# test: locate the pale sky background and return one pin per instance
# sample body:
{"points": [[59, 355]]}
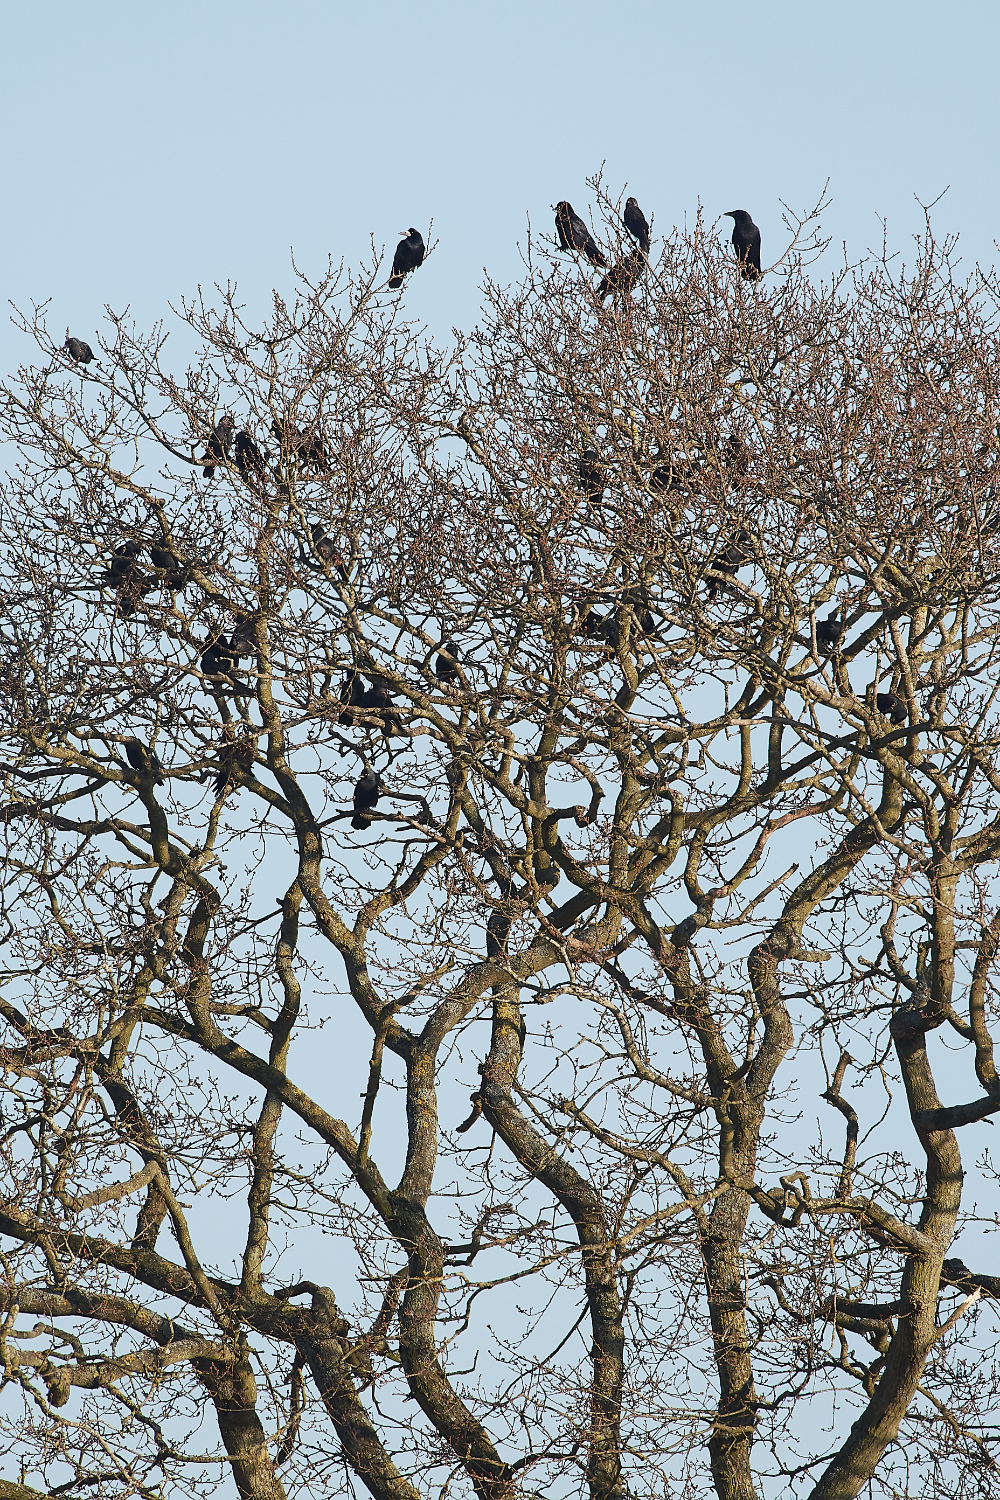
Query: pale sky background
{"points": [[148, 150]]}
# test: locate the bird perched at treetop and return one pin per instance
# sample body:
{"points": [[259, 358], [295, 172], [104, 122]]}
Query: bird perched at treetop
{"points": [[78, 350], [622, 278], [409, 255], [635, 222], [366, 794], [574, 234], [746, 242]]}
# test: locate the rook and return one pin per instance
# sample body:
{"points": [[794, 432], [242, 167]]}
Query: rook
{"points": [[218, 446], [409, 255], [366, 794], [635, 223], [574, 234], [746, 242], [144, 760], [78, 350]]}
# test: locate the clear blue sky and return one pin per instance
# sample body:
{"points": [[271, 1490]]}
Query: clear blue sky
{"points": [[150, 149]]}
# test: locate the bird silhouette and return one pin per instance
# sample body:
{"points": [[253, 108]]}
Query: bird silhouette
{"points": [[250, 462], [891, 705], [219, 664], [144, 760], [127, 578], [218, 446], [635, 222], [621, 279], [731, 559], [591, 475], [366, 795], [746, 243], [327, 549], [574, 234], [445, 668], [78, 350], [409, 255], [829, 632]]}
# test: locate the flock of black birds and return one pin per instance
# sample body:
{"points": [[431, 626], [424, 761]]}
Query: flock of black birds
{"points": [[373, 705]]}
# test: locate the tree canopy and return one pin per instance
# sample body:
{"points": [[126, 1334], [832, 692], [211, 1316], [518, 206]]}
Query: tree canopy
{"points": [[578, 1109]]}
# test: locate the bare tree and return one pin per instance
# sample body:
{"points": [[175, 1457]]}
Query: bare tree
{"points": [[667, 632]]}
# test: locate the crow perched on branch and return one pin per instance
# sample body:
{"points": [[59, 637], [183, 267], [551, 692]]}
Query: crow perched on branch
{"points": [[829, 632], [731, 559], [621, 279], [218, 446], [176, 575], [218, 663], [891, 705], [409, 255], [144, 760], [574, 234], [250, 462], [128, 580], [366, 794], [236, 758], [635, 222], [307, 447], [78, 350], [327, 549], [445, 668], [746, 243], [591, 475]]}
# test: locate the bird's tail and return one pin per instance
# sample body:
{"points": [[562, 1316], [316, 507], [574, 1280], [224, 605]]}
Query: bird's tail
{"points": [[395, 280], [360, 822], [209, 473]]}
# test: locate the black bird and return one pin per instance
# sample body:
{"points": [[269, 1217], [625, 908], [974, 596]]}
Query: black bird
{"points": [[635, 223], [366, 793], [236, 758], [892, 706], [352, 696], [574, 234], [737, 456], [243, 641], [731, 559], [594, 625], [176, 575], [123, 563], [249, 460], [377, 700], [306, 446], [219, 664], [409, 255], [78, 350], [591, 475], [327, 549], [312, 451], [218, 446], [829, 632], [144, 760], [746, 242], [128, 580], [621, 279], [445, 668]]}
